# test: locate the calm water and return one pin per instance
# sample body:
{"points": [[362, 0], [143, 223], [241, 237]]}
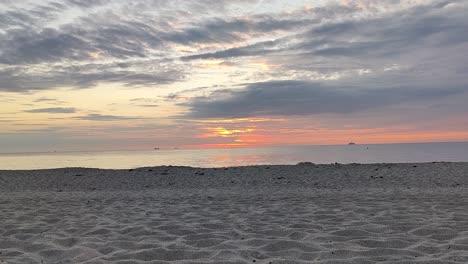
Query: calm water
{"points": [[424, 152]]}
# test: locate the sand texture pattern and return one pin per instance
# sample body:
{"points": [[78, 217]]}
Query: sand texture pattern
{"points": [[383, 213]]}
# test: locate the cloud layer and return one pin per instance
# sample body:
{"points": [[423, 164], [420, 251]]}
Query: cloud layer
{"points": [[284, 98], [52, 110], [139, 44], [221, 66]]}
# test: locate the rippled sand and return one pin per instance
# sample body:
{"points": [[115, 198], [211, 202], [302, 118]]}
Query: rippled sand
{"points": [[258, 214]]}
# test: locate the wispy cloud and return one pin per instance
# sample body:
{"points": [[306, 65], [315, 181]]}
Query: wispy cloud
{"points": [[53, 110], [148, 105], [100, 117], [48, 100], [256, 49]]}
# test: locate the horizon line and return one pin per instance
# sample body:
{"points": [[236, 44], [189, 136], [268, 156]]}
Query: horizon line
{"points": [[231, 147]]}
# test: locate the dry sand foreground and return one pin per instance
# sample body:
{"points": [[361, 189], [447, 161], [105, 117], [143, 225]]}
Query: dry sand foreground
{"points": [[385, 213]]}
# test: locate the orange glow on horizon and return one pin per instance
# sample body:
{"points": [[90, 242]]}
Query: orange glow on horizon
{"points": [[223, 132], [264, 137]]}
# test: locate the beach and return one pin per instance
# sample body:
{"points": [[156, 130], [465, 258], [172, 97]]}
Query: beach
{"points": [[305, 213]]}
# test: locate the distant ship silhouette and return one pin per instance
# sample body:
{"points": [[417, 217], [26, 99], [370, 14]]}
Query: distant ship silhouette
{"points": [[351, 143]]}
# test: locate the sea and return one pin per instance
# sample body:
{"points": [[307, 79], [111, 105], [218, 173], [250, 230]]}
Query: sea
{"points": [[381, 153]]}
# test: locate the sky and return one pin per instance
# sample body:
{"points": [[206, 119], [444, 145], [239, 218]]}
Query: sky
{"points": [[85, 75]]}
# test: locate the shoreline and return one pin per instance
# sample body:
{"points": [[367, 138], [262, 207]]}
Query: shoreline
{"points": [[303, 175], [302, 163]]}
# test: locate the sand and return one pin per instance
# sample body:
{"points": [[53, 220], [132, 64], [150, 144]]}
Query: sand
{"points": [[380, 213]]}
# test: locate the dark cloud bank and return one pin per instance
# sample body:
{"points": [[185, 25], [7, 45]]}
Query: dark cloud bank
{"points": [[286, 98]]}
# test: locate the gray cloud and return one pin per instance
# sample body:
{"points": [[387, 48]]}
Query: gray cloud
{"points": [[87, 3], [73, 42], [284, 98], [36, 56], [144, 100], [28, 40], [22, 47], [221, 30], [117, 37], [431, 26], [18, 79], [45, 99], [53, 110], [100, 117], [257, 49], [49, 101], [31, 16], [148, 105], [418, 35]]}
